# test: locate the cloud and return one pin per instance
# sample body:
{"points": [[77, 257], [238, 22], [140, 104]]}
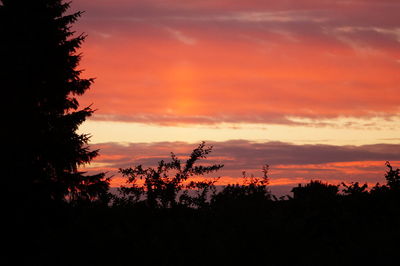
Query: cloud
{"points": [[186, 62], [181, 37], [290, 164], [170, 119]]}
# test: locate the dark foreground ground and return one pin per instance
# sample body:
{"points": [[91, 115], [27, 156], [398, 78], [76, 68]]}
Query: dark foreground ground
{"points": [[337, 231]]}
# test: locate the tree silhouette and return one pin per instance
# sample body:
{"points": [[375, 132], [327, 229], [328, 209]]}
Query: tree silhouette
{"points": [[393, 177], [315, 190], [161, 188], [392, 186], [39, 75], [354, 189], [251, 192]]}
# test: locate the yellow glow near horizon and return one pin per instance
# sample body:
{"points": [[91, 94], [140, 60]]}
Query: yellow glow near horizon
{"points": [[336, 134]]}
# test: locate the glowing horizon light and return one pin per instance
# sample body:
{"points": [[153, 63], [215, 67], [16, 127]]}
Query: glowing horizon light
{"points": [[339, 133]]}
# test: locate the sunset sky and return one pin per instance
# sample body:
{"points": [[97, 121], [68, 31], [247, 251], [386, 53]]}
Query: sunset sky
{"points": [[310, 87]]}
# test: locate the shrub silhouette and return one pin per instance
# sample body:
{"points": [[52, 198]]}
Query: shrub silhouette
{"points": [[202, 190], [252, 191], [161, 189], [315, 190], [354, 189]]}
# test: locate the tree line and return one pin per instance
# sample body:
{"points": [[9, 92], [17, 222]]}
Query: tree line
{"points": [[169, 185]]}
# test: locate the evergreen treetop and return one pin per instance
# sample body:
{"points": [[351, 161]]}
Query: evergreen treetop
{"points": [[40, 75]]}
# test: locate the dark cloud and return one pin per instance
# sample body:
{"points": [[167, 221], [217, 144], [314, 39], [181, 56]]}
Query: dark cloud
{"points": [[288, 162], [253, 153], [302, 18]]}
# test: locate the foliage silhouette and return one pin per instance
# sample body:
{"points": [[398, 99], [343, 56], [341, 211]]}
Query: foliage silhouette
{"points": [[161, 189], [354, 189], [315, 190], [393, 178], [392, 186], [41, 79], [251, 192]]}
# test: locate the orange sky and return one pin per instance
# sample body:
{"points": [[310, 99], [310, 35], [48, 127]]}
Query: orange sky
{"points": [[327, 68]]}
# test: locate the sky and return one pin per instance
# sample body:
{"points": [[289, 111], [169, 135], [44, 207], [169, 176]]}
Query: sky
{"points": [[310, 87]]}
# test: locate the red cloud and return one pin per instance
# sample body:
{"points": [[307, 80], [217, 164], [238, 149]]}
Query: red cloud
{"points": [[241, 61]]}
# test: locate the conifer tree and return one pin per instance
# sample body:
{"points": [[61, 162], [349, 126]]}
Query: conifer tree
{"points": [[40, 81]]}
